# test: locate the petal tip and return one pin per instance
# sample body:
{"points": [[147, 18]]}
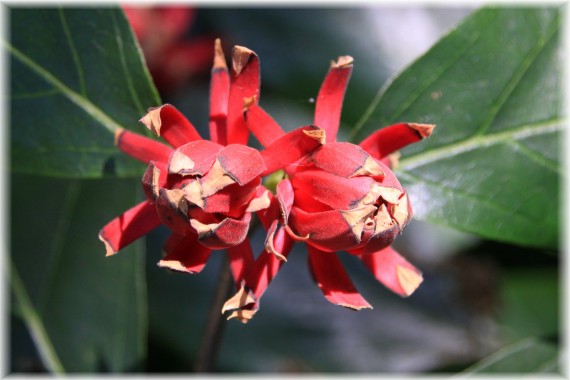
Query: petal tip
{"points": [[317, 134], [424, 130], [409, 279], [240, 58], [109, 250], [342, 62], [219, 58]]}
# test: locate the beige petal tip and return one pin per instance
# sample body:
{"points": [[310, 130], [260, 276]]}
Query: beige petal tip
{"points": [[409, 279], [243, 316], [219, 58], [342, 61], [425, 130], [109, 250], [118, 133], [248, 102], [240, 58], [239, 300], [317, 134], [173, 265], [152, 120]]}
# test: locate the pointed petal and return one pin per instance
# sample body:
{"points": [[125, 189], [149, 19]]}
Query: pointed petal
{"points": [[183, 253], [131, 225], [291, 147], [241, 260], [389, 139], [168, 122], [140, 147], [245, 81], [392, 270], [194, 158], [219, 95], [346, 160], [333, 280], [329, 101], [229, 232], [264, 128]]}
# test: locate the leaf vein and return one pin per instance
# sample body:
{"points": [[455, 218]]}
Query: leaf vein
{"points": [[74, 53]]}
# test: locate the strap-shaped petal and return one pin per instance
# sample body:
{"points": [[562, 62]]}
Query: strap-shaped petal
{"points": [[128, 227], [183, 253], [168, 122], [394, 271], [389, 139], [331, 95], [291, 147], [219, 95], [241, 260], [333, 280], [261, 124], [140, 147], [245, 82]]}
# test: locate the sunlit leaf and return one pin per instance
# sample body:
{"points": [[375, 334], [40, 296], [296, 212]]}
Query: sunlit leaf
{"points": [[493, 87], [76, 76]]}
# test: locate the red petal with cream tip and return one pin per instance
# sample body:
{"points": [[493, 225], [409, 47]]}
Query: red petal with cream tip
{"points": [[291, 147], [264, 128], [219, 95], [345, 160], [194, 158], [241, 260], [392, 270], [183, 253], [389, 139], [245, 81], [229, 232], [333, 280], [331, 94], [241, 163], [154, 178], [140, 147], [131, 225], [166, 121]]}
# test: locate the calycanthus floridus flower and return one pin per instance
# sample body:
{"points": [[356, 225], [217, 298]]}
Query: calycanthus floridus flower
{"points": [[202, 190], [340, 196]]}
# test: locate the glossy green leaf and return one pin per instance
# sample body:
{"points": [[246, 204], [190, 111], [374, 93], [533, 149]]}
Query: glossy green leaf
{"points": [[493, 88], [86, 312], [76, 76], [527, 356]]}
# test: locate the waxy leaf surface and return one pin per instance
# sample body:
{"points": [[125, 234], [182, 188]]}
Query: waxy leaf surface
{"points": [[493, 88], [75, 76]]}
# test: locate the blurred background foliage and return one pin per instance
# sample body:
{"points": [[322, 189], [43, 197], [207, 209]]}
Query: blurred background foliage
{"points": [[490, 301]]}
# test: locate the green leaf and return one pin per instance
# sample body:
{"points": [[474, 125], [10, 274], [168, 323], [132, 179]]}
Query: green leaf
{"points": [[493, 88], [76, 76], [85, 312], [527, 356]]}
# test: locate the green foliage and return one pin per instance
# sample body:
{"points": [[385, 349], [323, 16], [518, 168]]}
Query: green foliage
{"points": [[493, 88], [76, 76]]}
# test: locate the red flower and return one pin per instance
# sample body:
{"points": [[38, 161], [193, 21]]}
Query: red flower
{"points": [[171, 57], [204, 191], [339, 197]]}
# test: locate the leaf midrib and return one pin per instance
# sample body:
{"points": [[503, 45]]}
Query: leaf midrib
{"points": [[105, 120], [480, 141]]}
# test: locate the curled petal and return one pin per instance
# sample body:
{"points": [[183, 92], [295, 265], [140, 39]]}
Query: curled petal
{"points": [[131, 225], [245, 81], [329, 101], [194, 158], [333, 280], [219, 95], [329, 230], [140, 147], [392, 270], [229, 232], [183, 253], [269, 247], [346, 160], [241, 163], [154, 178], [291, 147], [261, 201], [173, 210], [264, 128], [389, 139], [168, 122], [285, 196]]}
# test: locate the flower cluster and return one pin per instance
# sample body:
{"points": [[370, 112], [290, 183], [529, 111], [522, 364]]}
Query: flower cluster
{"points": [[335, 196]]}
